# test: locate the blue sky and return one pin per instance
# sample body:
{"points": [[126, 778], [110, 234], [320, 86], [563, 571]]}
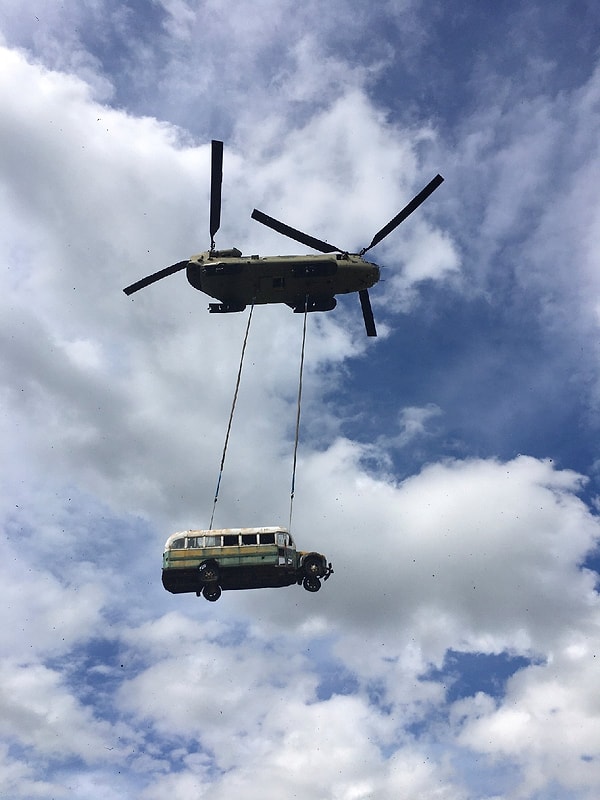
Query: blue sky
{"points": [[448, 468]]}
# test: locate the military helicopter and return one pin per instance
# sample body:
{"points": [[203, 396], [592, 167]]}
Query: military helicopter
{"points": [[304, 283]]}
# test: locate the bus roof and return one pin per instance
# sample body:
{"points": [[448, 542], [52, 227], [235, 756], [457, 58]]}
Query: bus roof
{"points": [[225, 532]]}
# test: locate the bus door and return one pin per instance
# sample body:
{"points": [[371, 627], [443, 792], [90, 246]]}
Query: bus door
{"points": [[284, 555]]}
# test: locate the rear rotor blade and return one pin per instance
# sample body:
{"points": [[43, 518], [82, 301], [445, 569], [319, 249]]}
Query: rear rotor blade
{"points": [[163, 273], [367, 311], [216, 180], [408, 209], [298, 236]]}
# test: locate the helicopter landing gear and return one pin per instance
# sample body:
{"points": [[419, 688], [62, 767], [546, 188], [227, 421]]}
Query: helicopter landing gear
{"points": [[312, 303], [225, 308]]}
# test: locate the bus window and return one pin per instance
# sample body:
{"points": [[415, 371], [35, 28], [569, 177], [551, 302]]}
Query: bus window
{"points": [[282, 539], [248, 538], [230, 540], [178, 544], [267, 538], [212, 541]]}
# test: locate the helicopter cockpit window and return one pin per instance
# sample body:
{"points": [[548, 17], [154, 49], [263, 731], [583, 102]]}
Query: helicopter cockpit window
{"points": [[248, 538], [267, 538], [230, 540]]}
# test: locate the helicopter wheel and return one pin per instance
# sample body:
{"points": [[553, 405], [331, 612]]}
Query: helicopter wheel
{"points": [[312, 583], [212, 593]]}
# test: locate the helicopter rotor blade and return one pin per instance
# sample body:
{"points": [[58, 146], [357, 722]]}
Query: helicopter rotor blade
{"points": [[216, 180], [365, 304], [157, 276], [292, 233], [406, 211]]}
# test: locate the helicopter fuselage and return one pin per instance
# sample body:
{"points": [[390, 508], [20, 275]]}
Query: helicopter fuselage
{"points": [[310, 281]]}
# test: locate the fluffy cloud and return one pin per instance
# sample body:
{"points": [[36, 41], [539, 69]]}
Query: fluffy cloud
{"points": [[115, 413]]}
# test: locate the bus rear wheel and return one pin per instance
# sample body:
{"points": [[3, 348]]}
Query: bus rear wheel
{"points": [[209, 572], [212, 593]]}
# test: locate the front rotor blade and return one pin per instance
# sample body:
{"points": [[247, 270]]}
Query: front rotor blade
{"points": [[365, 304], [163, 273], [298, 236], [412, 206], [216, 180]]}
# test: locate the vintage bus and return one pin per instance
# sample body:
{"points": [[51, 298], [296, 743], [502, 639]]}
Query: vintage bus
{"points": [[208, 562]]}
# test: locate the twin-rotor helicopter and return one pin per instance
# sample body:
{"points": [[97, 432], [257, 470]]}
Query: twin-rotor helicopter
{"points": [[304, 283]]}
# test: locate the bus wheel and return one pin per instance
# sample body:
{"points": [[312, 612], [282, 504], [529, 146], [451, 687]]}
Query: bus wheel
{"points": [[209, 572], [312, 566], [312, 583], [212, 593]]}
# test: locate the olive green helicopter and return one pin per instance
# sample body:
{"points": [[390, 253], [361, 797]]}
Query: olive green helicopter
{"points": [[302, 282]]}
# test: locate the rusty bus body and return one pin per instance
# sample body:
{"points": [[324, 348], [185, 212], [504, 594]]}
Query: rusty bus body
{"points": [[208, 562]]}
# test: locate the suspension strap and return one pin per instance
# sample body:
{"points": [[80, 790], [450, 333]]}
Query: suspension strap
{"points": [[298, 415], [235, 394]]}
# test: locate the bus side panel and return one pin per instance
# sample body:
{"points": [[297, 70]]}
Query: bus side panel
{"points": [[240, 567], [254, 577]]}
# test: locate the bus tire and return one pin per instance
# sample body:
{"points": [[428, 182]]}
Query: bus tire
{"points": [[209, 572], [313, 566], [312, 583], [212, 593]]}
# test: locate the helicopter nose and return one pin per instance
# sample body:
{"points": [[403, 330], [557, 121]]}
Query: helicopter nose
{"points": [[373, 273], [194, 274]]}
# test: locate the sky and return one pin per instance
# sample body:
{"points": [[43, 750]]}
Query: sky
{"points": [[448, 468]]}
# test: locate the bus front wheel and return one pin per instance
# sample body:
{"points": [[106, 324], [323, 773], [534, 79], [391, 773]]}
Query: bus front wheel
{"points": [[312, 583], [312, 566]]}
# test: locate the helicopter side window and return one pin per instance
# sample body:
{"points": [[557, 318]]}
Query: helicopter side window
{"points": [[267, 538], [248, 538], [314, 270], [213, 270]]}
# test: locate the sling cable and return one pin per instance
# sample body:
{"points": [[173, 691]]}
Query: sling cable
{"points": [[233, 406]]}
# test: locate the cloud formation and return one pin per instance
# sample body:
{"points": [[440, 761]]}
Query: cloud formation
{"points": [[447, 469]]}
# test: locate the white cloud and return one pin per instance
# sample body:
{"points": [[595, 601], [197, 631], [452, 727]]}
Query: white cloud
{"points": [[548, 723], [126, 403], [39, 712]]}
